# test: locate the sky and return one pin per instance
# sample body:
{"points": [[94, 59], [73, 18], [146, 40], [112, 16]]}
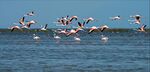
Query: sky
{"points": [[47, 11]]}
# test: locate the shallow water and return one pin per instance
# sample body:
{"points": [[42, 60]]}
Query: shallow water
{"points": [[122, 52]]}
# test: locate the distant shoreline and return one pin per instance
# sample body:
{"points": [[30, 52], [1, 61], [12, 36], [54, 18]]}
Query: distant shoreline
{"points": [[50, 29]]}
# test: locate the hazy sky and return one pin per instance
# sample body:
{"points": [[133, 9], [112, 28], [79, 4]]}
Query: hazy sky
{"points": [[46, 11]]}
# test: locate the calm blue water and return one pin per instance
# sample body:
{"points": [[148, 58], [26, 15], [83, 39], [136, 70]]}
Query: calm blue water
{"points": [[123, 52]]}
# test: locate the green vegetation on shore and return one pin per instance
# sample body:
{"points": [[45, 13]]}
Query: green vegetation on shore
{"points": [[107, 30]]}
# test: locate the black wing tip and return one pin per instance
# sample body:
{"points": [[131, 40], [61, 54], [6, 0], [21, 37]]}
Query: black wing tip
{"points": [[12, 30]]}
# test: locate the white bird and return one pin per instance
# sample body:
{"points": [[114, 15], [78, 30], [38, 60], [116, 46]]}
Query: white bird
{"points": [[77, 39], [30, 13], [104, 38], [136, 19], [35, 37], [115, 17], [134, 16], [44, 28], [56, 36], [63, 31], [61, 21]]}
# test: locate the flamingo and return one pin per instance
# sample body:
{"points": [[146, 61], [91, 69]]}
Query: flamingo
{"points": [[137, 19], [89, 20], [92, 29], [115, 18], [44, 28], [30, 23], [102, 28], [72, 31], [142, 28], [21, 21], [61, 21], [73, 17], [68, 21], [63, 31], [15, 28], [30, 13], [81, 25]]}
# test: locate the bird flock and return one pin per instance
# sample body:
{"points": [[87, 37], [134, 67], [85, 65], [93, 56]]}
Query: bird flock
{"points": [[23, 23], [69, 20]]}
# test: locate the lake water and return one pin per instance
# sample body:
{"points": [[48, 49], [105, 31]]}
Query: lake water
{"points": [[122, 52]]}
